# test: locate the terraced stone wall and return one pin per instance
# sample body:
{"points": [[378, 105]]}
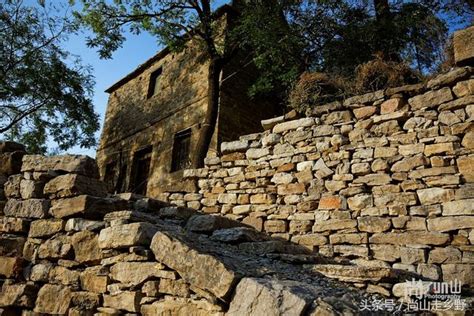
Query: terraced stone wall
{"points": [[383, 179], [68, 248]]}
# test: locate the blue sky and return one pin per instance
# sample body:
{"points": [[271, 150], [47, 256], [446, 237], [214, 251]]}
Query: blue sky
{"points": [[136, 50]]}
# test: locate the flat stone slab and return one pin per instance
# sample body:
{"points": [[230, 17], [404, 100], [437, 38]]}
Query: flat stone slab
{"points": [[79, 164]]}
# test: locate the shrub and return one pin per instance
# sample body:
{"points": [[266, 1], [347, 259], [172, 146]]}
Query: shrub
{"points": [[380, 74], [315, 88]]}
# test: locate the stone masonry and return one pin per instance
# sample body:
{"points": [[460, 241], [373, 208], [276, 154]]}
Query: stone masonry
{"points": [[68, 248], [383, 179]]}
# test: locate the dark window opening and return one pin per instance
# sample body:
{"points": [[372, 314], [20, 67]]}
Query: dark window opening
{"points": [[120, 185], [154, 81], [181, 151], [109, 177], [141, 170]]}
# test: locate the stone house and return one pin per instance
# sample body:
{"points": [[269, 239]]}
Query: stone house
{"points": [[154, 115]]}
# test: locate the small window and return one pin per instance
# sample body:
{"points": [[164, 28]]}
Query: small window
{"points": [[154, 82], [181, 150]]}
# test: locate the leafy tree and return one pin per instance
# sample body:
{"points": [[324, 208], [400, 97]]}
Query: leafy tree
{"points": [[336, 36], [173, 22], [42, 97]]}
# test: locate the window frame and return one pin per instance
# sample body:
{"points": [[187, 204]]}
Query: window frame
{"points": [[154, 80], [181, 156]]}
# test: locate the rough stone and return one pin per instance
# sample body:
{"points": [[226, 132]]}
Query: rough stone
{"points": [[463, 49], [290, 125], [45, 227], [431, 99], [135, 234], [127, 301], [209, 223], [70, 185], [460, 207], [19, 295], [78, 164], [33, 208], [258, 296], [465, 167], [86, 206], [373, 224], [86, 247], [135, 273], [410, 237], [186, 260], [53, 299], [445, 224]]}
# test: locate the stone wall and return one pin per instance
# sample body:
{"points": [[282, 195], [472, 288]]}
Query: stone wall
{"points": [[67, 248], [383, 179]]}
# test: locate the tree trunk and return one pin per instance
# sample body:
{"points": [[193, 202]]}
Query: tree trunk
{"points": [[209, 125], [385, 30]]}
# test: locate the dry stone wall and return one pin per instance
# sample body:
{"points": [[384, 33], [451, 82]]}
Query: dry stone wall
{"points": [[383, 179], [66, 248]]}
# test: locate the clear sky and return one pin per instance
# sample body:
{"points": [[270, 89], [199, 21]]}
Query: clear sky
{"points": [[136, 50]]}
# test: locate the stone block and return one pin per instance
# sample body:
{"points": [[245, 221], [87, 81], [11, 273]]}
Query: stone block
{"points": [[70, 185], [449, 223], [128, 301], [33, 208], [135, 273], [216, 278], [10, 267], [45, 227], [373, 224], [128, 235], [86, 206], [10, 162], [431, 99], [86, 247], [259, 296], [463, 47], [53, 299], [275, 226], [435, 195], [445, 255], [465, 164], [334, 224], [459, 207], [13, 225], [290, 125], [209, 223], [18, 295], [410, 237], [78, 164]]}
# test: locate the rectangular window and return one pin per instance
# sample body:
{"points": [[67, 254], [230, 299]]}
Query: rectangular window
{"points": [[109, 177], [154, 81], [141, 170], [181, 151]]}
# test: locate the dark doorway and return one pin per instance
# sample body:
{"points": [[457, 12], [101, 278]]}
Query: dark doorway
{"points": [[181, 151], [141, 170]]}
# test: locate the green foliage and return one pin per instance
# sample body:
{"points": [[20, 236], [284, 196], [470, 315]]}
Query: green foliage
{"points": [[42, 98], [172, 22], [335, 37]]}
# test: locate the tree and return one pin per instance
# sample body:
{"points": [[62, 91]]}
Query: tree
{"points": [[335, 37], [173, 22], [43, 98]]}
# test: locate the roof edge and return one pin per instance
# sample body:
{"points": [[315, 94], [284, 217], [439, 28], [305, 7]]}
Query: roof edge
{"points": [[218, 12]]}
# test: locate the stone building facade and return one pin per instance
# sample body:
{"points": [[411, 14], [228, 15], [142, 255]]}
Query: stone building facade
{"points": [[154, 115]]}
